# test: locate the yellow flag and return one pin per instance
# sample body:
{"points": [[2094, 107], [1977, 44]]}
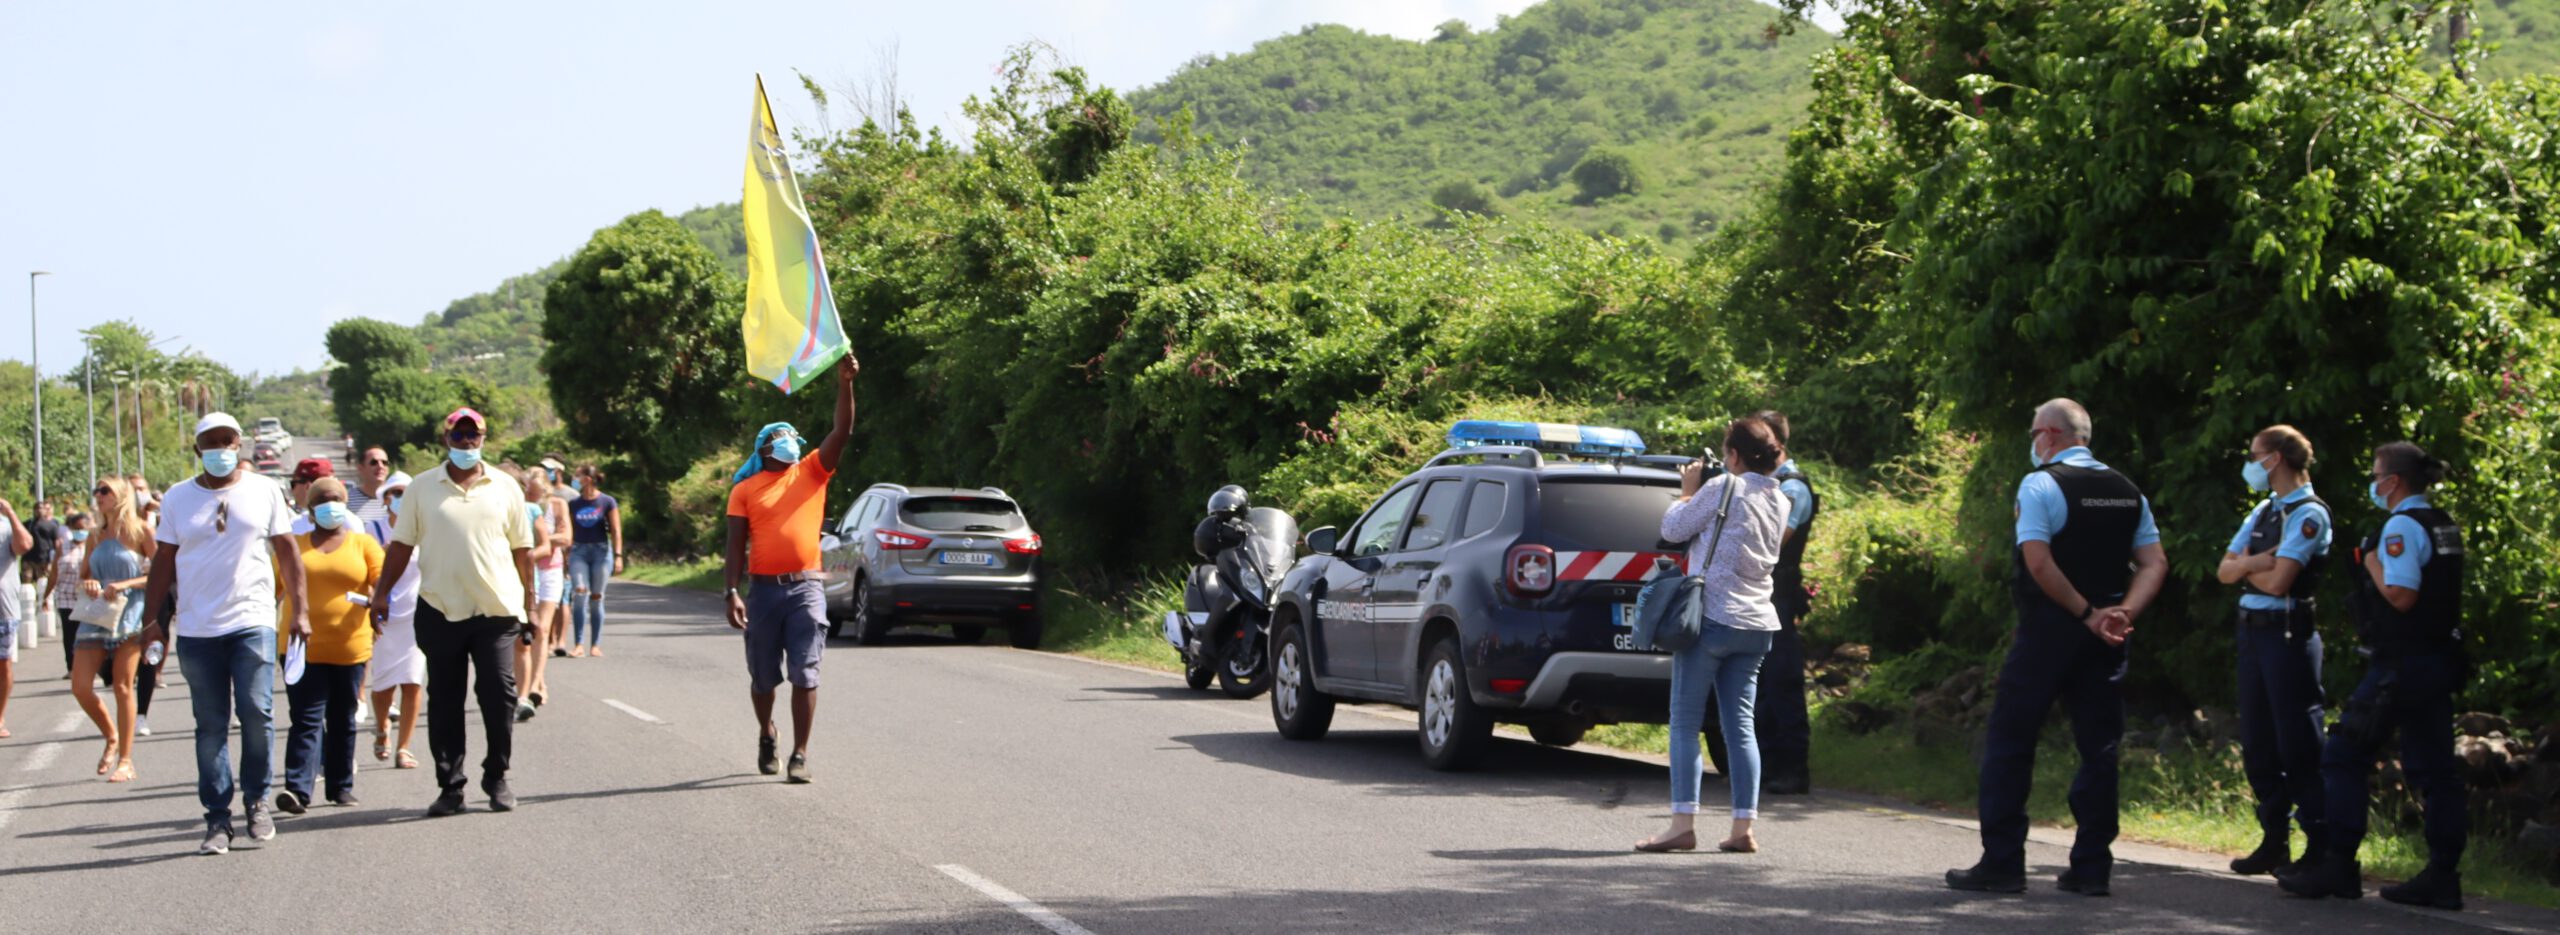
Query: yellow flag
{"points": [[791, 328]]}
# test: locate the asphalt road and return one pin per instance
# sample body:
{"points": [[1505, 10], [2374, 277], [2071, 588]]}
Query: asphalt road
{"points": [[983, 789]]}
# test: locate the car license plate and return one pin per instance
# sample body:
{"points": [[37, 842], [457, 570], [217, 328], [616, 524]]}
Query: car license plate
{"points": [[1622, 623], [968, 558]]}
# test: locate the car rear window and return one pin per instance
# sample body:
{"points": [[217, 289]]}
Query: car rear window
{"points": [[1612, 515], [960, 514]]}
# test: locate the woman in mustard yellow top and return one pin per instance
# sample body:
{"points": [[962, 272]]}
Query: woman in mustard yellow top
{"points": [[338, 562]]}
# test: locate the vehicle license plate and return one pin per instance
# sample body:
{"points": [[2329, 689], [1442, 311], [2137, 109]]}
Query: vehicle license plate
{"points": [[1622, 621], [968, 558]]}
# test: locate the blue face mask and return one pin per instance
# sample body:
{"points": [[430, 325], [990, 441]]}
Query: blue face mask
{"points": [[219, 462], [329, 515], [393, 504], [79, 535], [2256, 474], [786, 450], [463, 458], [2374, 490], [2033, 458]]}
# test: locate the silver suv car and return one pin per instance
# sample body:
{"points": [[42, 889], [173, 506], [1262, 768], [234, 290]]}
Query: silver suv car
{"points": [[933, 555]]}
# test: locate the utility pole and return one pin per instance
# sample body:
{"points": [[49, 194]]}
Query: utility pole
{"points": [[89, 391], [115, 392], [35, 361]]}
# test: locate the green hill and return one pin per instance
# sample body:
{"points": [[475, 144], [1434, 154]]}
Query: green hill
{"points": [[1558, 111], [2526, 32]]}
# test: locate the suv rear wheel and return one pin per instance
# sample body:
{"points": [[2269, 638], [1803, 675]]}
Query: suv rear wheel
{"points": [[1025, 631], [869, 626], [1454, 732], [1297, 708]]}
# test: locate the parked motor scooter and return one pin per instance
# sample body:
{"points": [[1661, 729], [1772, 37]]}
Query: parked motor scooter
{"points": [[1224, 630]]}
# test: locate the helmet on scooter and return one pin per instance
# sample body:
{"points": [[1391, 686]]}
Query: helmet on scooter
{"points": [[1228, 501]]}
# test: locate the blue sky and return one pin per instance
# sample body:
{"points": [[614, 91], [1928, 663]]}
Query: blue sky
{"points": [[239, 175]]}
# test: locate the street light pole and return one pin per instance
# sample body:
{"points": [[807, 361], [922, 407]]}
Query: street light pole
{"points": [[89, 391], [35, 361], [115, 393]]}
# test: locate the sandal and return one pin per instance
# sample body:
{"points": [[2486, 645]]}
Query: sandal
{"points": [[381, 746], [107, 760], [407, 761], [123, 773]]}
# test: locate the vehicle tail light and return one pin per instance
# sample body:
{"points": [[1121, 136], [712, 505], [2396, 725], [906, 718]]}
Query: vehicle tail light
{"points": [[1026, 546], [1510, 686], [1530, 570], [894, 540]]}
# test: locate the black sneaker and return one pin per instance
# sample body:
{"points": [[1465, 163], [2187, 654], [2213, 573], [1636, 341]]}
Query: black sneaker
{"points": [[799, 768], [768, 762], [501, 798], [449, 803], [344, 798], [2329, 876], [2272, 855], [2431, 889], [291, 803], [1979, 879], [217, 839], [2085, 884]]}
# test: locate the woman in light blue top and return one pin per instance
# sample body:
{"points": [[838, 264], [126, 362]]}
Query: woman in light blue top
{"points": [[1737, 555], [114, 564]]}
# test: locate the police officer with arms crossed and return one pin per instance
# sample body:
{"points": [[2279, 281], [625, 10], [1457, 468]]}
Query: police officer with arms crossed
{"points": [[2279, 553], [2408, 608], [2079, 526]]}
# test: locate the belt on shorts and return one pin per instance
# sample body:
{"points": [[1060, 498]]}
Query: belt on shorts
{"points": [[792, 578]]}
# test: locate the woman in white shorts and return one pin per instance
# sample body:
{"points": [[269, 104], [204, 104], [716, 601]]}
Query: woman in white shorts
{"points": [[397, 663], [550, 516]]}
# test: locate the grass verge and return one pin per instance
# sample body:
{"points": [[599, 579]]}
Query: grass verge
{"points": [[1127, 627], [699, 574]]}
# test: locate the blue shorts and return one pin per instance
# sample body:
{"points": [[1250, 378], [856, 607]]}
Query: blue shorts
{"points": [[786, 634], [8, 639]]}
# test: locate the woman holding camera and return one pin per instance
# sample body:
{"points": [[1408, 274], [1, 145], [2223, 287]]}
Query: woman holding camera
{"points": [[1733, 525]]}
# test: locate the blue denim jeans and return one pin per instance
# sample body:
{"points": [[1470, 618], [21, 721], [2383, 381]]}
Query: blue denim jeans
{"points": [[321, 745], [590, 567], [1726, 662], [227, 674]]}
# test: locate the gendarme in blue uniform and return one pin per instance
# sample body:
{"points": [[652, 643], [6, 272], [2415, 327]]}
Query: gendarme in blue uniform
{"points": [[2092, 519], [2278, 655]]}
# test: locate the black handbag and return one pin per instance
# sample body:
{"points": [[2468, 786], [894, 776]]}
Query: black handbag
{"points": [[1671, 610]]}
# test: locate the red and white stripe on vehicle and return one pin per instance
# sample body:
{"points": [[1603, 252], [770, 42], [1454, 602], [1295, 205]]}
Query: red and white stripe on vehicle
{"points": [[1614, 566]]}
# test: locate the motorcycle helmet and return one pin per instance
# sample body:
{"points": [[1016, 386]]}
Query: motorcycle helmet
{"points": [[1228, 501]]}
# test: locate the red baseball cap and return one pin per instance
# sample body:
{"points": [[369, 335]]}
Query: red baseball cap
{"points": [[467, 412], [311, 469]]}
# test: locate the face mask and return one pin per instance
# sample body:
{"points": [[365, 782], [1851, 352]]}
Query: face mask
{"points": [[463, 458], [786, 450], [393, 503], [219, 462], [2033, 458], [329, 515], [2256, 474], [79, 535], [2374, 490]]}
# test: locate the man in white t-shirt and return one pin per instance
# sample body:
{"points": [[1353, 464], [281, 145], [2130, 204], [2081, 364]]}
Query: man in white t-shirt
{"points": [[225, 539]]}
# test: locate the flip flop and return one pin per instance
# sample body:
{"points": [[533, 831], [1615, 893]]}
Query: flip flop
{"points": [[123, 773]]}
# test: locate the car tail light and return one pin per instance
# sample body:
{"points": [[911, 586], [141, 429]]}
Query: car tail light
{"points": [[1510, 686], [1029, 546], [1530, 570], [898, 541]]}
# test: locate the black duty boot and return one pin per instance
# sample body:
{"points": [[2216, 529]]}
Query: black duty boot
{"points": [[2431, 888], [1979, 879], [2330, 875], [2272, 855]]}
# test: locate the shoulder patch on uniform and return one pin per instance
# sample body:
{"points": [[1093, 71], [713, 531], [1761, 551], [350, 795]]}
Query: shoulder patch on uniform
{"points": [[2310, 527], [2394, 546]]}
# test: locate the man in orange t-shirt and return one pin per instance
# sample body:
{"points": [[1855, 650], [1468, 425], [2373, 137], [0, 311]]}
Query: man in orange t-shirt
{"points": [[777, 503]]}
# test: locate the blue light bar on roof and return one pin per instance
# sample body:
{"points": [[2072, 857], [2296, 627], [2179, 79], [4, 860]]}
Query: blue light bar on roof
{"points": [[1588, 440]]}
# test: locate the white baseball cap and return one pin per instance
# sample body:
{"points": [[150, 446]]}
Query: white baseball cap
{"points": [[216, 420]]}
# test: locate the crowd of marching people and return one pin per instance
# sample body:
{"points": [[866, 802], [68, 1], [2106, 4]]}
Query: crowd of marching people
{"points": [[371, 598]]}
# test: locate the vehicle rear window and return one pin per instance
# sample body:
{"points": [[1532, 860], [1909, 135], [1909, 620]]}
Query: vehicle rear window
{"points": [[1613, 515], [960, 514]]}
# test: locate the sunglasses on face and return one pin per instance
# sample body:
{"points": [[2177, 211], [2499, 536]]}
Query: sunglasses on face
{"points": [[102, 492], [376, 462], [458, 437]]}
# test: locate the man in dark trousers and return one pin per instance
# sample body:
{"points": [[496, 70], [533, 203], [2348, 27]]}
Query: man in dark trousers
{"points": [[777, 506], [474, 583], [1779, 717], [2088, 562]]}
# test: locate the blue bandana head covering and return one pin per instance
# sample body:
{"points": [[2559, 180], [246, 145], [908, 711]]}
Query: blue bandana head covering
{"points": [[755, 454]]}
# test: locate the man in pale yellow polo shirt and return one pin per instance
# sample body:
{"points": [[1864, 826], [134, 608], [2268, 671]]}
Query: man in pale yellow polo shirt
{"points": [[473, 588]]}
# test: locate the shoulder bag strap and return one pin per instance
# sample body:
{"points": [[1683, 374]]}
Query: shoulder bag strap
{"points": [[1716, 538]]}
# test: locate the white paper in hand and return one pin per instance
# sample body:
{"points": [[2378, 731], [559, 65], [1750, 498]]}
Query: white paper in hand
{"points": [[293, 654]]}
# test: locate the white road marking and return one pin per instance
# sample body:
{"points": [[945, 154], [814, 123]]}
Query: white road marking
{"points": [[634, 712], [1012, 900], [38, 759]]}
